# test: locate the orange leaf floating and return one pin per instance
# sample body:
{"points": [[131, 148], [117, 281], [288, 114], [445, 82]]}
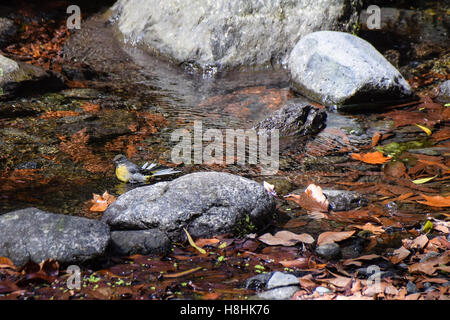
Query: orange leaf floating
{"points": [[435, 201], [90, 107], [102, 202], [372, 157]]}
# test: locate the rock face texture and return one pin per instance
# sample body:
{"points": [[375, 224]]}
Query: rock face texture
{"points": [[15, 76], [32, 234], [205, 203], [296, 118], [337, 68], [227, 34]]}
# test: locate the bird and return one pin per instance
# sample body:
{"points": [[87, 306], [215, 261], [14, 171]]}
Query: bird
{"points": [[128, 172]]}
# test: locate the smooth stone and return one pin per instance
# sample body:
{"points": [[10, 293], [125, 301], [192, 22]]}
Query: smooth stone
{"points": [[337, 68], [34, 235]]}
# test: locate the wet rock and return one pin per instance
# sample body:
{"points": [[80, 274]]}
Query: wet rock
{"points": [[258, 282], [337, 68], [126, 243], [32, 234], [19, 76], [205, 203], [322, 290], [296, 118], [418, 25], [444, 92], [81, 93], [283, 293], [7, 30], [329, 251], [226, 34], [277, 285], [280, 279], [343, 200]]}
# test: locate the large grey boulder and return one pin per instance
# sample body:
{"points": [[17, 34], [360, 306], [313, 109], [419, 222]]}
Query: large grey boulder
{"points": [[129, 242], [205, 203], [15, 76], [227, 34], [32, 234], [337, 68]]}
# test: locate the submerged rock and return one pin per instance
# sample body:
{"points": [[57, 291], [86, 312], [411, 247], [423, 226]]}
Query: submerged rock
{"points": [[32, 234], [296, 118], [337, 68], [227, 34], [343, 200], [444, 92], [205, 203], [16, 76]]}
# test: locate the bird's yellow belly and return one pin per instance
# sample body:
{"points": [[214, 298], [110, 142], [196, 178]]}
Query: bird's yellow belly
{"points": [[122, 173]]}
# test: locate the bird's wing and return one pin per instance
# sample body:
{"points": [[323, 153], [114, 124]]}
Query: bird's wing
{"points": [[164, 172]]}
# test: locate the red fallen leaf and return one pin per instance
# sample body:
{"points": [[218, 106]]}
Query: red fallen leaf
{"points": [[59, 114], [204, 242], [376, 138], [435, 201], [371, 157], [330, 237], [102, 202], [399, 255], [90, 107], [285, 238]]}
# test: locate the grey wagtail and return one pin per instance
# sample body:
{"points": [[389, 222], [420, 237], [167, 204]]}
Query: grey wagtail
{"points": [[127, 171]]}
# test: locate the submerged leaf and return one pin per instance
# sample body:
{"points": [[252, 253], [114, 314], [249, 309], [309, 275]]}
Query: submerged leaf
{"points": [[372, 157], [285, 238]]}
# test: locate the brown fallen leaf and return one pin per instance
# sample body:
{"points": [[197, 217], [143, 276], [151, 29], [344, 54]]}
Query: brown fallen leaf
{"points": [[435, 201], [372, 157], [419, 242], [330, 237], [301, 263], [312, 200], [341, 282], [203, 242], [285, 238], [399, 255], [369, 227], [430, 266]]}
